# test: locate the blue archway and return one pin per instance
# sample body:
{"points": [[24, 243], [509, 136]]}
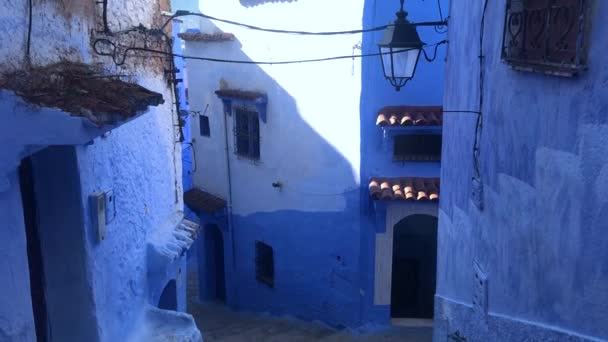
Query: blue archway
{"points": [[168, 299], [414, 267]]}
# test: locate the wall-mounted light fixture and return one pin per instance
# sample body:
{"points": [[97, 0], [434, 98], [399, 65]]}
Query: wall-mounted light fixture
{"points": [[401, 47]]}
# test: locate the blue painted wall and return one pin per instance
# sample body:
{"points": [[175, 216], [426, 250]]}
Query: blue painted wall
{"points": [[376, 160], [98, 291], [323, 239], [315, 260], [542, 235], [16, 318], [309, 144]]}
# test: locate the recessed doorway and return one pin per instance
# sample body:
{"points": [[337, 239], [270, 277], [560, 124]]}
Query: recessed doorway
{"points": [[215, 275], [414, 268]]}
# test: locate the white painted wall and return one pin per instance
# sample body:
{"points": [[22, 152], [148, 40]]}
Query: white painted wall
{"points": [[311, 140]]}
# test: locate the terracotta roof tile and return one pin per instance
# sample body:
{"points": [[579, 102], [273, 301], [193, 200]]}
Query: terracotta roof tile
{"points": [[82, 90], [412, 189], [202, 201], [206, 37], [410, 116]]}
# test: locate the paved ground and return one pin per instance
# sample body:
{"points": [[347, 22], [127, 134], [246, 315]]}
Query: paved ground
{"points": [[218, 323]]}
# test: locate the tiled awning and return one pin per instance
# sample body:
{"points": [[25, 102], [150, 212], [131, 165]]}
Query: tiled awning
{"points": [[410, 116], [400, 189], [82, 90], [202, 201]]}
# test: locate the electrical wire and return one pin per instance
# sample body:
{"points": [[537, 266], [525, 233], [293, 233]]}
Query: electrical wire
{"points": [[182, 13], [479, 124], [426, 56], [29, 32], [120, 60], [106, 27]]}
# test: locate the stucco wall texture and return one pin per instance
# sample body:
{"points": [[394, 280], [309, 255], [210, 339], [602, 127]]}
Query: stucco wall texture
{"points": [[139, 161], [313, 143], [542, 235], [376, 161], [310, 143]]}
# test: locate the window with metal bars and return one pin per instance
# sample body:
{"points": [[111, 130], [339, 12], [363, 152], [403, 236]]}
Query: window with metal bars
{"points": [[545, 36], [417, 147], [247, 134], [264, 263]]}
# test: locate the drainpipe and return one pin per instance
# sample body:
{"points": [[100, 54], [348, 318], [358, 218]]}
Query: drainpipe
{"points": [[229, 200]]}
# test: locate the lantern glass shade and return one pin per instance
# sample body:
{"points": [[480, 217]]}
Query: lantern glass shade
{"points": [[400, 50], [399, 63]]}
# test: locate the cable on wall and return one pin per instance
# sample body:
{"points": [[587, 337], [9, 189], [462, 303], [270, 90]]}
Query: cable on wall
{"points": [[29, 34], [477, 177], [106, 26]]}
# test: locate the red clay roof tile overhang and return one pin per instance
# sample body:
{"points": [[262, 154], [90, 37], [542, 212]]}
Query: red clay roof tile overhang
{"points": [[410, 116], [203, 201], [400, 189], [82, 90]]}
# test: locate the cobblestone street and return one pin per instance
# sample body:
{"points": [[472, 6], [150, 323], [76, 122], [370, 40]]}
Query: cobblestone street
{"points": [[219, 323]]}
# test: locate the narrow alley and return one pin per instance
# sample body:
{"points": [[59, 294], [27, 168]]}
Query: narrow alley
{"points": [[221, 324], [303, 170]]}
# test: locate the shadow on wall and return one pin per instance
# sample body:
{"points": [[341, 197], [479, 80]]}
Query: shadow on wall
{"points": [[315, 241], [252, 3]]}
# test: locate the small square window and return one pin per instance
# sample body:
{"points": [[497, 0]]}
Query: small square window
{"points": [[264, 263], [247, 134], [203, 122], [417, 147]]}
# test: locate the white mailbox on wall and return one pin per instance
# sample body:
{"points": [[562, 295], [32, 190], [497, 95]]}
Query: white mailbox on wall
{"points": [[102, 211]]}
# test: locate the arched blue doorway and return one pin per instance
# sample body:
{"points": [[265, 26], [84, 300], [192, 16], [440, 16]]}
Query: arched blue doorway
{"points": [[414, 267], [168, 299]]}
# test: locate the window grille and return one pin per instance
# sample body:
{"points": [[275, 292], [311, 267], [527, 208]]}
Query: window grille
{"points": [[545, 36], [247, 134], [417, 148], [264, 263]]}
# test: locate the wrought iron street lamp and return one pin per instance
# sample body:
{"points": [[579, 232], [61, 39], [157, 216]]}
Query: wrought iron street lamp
{"points": [[401, 47]]}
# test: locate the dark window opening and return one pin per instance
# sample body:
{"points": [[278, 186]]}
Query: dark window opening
{"points": [[247, 134], [545, 35], [417, 148], [264, 263], [204, 128]]}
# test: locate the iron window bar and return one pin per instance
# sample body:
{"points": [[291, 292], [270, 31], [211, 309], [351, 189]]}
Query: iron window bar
{"points": [[247, 129], [545, 36]]}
